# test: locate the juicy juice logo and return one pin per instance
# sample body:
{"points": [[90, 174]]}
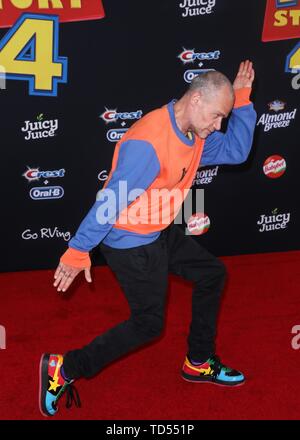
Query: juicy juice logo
{"points": [[273, 222], [40, 129], [192, 8]]}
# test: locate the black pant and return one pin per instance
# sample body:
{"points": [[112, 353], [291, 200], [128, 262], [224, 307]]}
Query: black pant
{"points": [[143, 273]]}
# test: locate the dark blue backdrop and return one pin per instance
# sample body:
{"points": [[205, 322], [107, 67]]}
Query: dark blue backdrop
{"points": [[128, 62]]}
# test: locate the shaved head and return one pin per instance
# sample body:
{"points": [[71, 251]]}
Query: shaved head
{"points": [[210, 83]]}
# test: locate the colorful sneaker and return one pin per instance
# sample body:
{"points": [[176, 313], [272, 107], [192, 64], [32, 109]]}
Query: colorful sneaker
{"points": [[53, 385], [211, 371]]}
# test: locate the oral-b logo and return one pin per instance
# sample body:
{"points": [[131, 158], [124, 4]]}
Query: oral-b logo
{"points": [[116, 134], [50, 192], [189, 75]]}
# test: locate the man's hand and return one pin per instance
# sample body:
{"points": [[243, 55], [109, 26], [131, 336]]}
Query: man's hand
{"points": [[65, 275], [245, 75]]}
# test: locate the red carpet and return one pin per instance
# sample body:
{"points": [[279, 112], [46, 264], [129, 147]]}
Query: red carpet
{"points": [[260, 306]]}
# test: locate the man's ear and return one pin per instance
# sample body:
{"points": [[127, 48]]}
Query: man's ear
{"points": [[196, 98]]}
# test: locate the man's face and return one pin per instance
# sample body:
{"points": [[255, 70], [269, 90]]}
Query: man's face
{"points": [[207, 113]]}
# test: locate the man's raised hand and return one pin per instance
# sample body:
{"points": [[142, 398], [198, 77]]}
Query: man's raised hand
{"points": [[245, 75]]}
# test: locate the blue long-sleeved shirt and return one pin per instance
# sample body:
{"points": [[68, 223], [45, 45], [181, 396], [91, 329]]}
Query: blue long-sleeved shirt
{"points": [[138, 166]]}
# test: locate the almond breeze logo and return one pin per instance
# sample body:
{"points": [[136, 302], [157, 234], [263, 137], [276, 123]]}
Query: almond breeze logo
{"points": [[40, 129], [278, 120], [204, 177], [191, 8]]}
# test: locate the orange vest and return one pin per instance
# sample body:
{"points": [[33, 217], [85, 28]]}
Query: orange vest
{"points": [[157, 207]]}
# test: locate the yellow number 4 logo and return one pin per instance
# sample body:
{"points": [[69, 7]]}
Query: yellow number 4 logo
{"points": [[292, 63], [29, 51], [286, 3]]}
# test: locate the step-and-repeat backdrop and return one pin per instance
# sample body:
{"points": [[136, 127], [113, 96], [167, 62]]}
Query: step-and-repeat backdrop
{"points": [[76, 74]]}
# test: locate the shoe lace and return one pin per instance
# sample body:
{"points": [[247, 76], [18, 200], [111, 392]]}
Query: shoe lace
{"points": [[216, 364], [72, 396]]}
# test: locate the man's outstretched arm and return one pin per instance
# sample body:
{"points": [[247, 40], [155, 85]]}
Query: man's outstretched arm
{"points": [[137, 166], [233, 147]]}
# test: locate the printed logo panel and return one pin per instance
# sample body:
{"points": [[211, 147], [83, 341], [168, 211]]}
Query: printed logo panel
{"points": [[282, 20], [67, 10]]}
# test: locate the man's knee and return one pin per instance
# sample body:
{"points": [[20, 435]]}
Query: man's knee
{"points": [[213, 273], [148, 326], [221, 270]]}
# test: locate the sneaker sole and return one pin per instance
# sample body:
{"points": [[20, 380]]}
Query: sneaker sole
{"points": [[213, 381], [43, 384]]}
